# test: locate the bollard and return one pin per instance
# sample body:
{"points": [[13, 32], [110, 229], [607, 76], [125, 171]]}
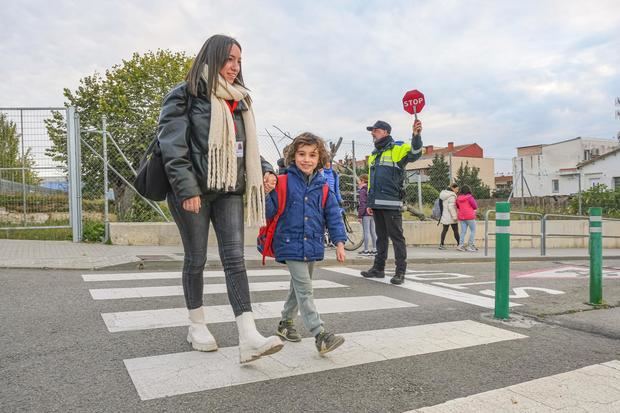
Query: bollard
{"points": [[595, 248], [502, 259]]}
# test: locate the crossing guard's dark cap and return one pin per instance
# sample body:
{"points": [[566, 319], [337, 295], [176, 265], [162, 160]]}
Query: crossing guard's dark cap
{"points": [[380, 125]]}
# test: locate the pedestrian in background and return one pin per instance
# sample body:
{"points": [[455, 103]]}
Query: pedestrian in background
{"points": [[449, 214], [467, 206], [365, 216]]}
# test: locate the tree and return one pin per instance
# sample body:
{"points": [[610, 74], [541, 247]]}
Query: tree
{"points": [[439, 173], [129, 95], [10, 159], [467, 175]]}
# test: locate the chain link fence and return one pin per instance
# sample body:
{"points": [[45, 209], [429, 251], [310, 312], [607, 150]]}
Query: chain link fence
{"points": [[34, 182], [34, 189]]}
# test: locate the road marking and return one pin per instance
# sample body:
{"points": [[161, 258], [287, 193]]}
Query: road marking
{"points": [[438, 276], [171, 275], [188, 372], [427, 289], [462, 286], [594, 388], [570, 271], [521, 292], [172, 290], [173, 317]]}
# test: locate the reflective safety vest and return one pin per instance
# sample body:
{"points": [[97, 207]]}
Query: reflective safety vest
{"points": [[386, 171]]}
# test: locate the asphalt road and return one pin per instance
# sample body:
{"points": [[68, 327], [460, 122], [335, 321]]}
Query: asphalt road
{"points": [[57, 355]]}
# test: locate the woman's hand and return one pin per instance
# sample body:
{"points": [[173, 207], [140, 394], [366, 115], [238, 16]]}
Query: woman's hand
{"points": [[269, 182], [340, 255], [369, 211], [192, 204]]}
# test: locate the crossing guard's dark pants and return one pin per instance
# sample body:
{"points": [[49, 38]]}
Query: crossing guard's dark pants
{"points": [[389, 225]]}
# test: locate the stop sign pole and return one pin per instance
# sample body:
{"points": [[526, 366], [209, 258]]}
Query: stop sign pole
{"points": [[413, 102]]}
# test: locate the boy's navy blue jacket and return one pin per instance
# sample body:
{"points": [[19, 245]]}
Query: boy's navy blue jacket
{"points": [[301, 227]]}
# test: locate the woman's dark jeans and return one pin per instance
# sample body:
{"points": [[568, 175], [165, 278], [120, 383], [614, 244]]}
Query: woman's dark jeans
{"points": [[226, 214]]}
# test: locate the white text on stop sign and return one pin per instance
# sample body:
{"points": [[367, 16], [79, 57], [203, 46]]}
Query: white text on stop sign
{"points": [[413, 102]]}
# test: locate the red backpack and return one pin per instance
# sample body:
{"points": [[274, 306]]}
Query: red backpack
{"points": [[266, 233]]}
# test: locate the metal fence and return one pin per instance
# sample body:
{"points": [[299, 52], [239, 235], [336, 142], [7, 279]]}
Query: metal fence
{"points": [[50, 182], [34, 182]]}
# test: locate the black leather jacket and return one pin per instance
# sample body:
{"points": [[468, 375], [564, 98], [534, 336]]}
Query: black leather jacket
{"points": [[183, 136]]}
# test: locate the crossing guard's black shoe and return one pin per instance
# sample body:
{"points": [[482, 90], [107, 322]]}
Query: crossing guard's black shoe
{"points": [[398, 278], [373, 273]]}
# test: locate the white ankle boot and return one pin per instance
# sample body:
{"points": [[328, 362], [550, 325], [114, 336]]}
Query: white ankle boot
{"points": [[252, 345], [199, 335]]}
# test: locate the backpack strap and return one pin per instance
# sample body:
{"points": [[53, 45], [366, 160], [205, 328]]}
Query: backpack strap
{"points": [[281, 186], [325, 194]]}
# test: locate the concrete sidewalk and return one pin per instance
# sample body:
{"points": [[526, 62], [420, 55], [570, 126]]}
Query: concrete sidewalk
{"points": [[68, 255]]}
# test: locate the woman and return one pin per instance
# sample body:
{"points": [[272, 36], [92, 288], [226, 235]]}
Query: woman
{"points": [[449, 216], [467, 206], [207, 137], [366, 219]]}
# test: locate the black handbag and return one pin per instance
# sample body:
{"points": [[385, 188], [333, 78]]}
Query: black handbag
{"points": [[151, 180]]}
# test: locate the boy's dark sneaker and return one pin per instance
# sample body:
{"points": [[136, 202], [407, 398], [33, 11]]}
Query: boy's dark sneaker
{"points": [[286, 330], [398, 278], [373, 273], [326, 342]]}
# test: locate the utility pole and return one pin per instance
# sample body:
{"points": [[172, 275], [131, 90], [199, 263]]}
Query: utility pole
{"points": [[522, 186]]}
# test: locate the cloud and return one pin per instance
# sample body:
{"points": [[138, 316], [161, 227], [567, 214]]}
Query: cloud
{"points": [[500, 74]]}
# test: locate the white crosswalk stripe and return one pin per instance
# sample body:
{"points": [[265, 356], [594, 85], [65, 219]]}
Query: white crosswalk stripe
{"points": [[172, 275], [594, 388], [447, 293], [172, 290], [180, 373], [172, 317]]}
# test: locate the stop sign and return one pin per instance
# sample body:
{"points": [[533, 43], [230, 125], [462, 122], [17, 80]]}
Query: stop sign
{"points": [[413, 101]]}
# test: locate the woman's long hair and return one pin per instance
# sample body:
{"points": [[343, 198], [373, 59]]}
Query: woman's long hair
{"points": [[214, 53]]}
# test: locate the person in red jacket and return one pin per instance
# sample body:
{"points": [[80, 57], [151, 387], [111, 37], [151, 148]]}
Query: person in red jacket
{"points": [[467, 206]]}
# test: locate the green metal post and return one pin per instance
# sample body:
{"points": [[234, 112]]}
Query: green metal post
{"points": [[502, 259], [596, 256]]}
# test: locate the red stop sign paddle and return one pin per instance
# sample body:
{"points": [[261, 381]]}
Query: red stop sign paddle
{"points": [[413, 102]]}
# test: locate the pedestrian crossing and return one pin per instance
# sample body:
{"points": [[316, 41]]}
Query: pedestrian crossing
{"points": [[164, 375]]}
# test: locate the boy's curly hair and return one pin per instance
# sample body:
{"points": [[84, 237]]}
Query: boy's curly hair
{"points": [[308, 139]]}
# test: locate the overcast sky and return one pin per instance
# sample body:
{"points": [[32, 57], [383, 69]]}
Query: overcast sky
{"points": [[502, 74]]}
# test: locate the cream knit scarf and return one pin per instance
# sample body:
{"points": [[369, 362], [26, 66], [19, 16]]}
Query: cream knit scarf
{"points": [[222, 160]]}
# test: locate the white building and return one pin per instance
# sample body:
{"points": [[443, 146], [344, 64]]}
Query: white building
{"points": [[552, 169], [604, 169]]}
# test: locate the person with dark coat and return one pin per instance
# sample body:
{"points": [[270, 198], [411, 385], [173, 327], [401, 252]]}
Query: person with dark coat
{"points": [[386, 166], [365, 217], [207, 135]]}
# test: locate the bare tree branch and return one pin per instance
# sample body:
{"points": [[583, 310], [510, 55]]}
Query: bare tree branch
{"points": [[286, 134], [274, 143]]}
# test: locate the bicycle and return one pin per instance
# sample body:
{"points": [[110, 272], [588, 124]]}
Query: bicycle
{"points": [[355, 237]]}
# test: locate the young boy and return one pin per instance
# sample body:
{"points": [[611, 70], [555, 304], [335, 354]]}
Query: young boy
{"points": [[298, 239]]}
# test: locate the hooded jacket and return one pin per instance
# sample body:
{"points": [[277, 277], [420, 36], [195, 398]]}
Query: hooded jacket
{"points": [[467, 206], [301, 227], [449, 214]]}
